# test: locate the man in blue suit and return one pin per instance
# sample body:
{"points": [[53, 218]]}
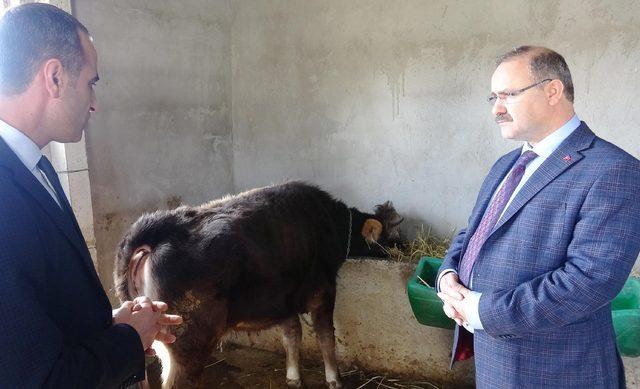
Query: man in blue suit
{"points": [[57, 329], [551, 240]]}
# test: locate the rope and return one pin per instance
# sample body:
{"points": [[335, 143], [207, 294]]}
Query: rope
{"points": [[349, 234]]}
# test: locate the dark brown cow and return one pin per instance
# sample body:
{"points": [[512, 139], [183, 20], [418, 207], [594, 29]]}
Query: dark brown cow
{"points": [[249, 262]]}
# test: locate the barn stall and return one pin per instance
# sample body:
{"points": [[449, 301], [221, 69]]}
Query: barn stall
{"points": [[372, 101]]}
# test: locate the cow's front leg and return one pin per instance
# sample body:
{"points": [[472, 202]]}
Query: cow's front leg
{"points": [[292, 339], [323, 325]]}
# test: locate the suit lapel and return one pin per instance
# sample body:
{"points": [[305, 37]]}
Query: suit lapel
{"points": [[565, 156], [63, 220], [64, 203]]}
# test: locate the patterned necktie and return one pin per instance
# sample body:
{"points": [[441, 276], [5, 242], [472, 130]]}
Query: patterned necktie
{"points": [[492, 214], [52, 176]]}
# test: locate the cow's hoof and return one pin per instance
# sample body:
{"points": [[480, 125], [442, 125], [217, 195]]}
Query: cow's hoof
{"points": [[334, 385], [294, 383]]}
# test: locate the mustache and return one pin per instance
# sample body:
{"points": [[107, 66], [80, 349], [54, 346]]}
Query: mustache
{"points": [[503, 117]]}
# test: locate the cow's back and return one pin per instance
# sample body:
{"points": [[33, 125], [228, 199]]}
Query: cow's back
{"points": [[284, 244]]}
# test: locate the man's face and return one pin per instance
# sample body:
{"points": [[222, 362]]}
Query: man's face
{"points": [[520, 117], [78, 98]]}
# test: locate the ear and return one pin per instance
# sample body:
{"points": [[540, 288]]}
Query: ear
{"points": [[371, 230], [555, 91], [53, 77]]}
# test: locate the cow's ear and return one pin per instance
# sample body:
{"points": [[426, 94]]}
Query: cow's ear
{"points": [[371, 230]]}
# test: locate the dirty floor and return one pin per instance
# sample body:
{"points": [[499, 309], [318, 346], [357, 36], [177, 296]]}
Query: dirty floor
{"points": [[243, 367]]}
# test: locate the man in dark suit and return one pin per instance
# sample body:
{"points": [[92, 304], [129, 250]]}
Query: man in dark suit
{"points": [[57, 328], [551, 240]]}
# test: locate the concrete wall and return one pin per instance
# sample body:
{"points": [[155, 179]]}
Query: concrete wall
{"points": [[162, 133], [378, 100]]}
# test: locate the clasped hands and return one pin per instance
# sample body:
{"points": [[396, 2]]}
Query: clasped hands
{"points": [[452, 293], [149, 319]]}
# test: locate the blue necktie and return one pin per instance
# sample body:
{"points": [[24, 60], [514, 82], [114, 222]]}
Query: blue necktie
{"points": [[52, 176]]}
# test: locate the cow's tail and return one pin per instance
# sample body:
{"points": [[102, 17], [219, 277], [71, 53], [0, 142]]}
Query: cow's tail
{"points": [[168, 370], [138, 253], [133, 276], [133, 269], [136, 279], [120, 271]]}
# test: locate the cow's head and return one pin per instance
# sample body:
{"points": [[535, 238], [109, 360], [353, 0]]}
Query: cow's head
{"points": [[377, 231]]}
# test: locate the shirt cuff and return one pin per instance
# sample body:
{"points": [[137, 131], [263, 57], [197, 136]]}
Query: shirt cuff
{"points": [[447, 271], [471, 305]]}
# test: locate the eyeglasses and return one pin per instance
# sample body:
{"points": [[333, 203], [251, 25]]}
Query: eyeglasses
{"points": [[503, 96]]}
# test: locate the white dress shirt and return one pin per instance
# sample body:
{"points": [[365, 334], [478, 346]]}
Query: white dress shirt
{"points": [[28, 153], [544, 149]]}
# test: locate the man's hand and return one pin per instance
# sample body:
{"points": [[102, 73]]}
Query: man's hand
{"points": [[452, 292], [165, 320], [149, 319], [145, 320], [123, 314], [454, 308]]}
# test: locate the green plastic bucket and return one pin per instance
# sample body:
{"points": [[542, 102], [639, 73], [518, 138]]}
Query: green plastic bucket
{"points": [[426, 306], [625, 310]]}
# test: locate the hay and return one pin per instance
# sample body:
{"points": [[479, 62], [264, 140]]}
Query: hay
{"points": [[378, 381], [425, 244], [359, 379]]}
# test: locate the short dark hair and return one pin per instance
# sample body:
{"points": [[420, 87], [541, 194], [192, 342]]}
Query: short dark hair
{"points": [[543, 63], [31, 34]]}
